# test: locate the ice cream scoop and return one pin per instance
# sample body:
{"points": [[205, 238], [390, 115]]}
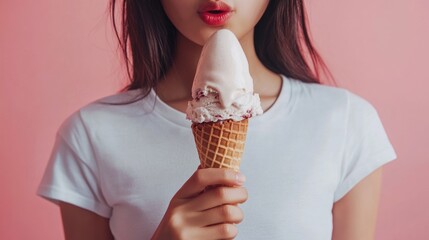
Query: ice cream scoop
{"points": [[222, 87]]}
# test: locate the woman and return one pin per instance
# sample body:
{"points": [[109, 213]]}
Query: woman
{"points": [[126, 169]]}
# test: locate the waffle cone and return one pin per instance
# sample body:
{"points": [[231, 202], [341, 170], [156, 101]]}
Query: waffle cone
{"points": [[220, 144]]}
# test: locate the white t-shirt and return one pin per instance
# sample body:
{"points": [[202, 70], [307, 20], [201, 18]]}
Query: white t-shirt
{"points": [[125, 162]]}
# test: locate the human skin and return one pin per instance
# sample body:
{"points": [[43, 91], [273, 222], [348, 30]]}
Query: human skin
{"points": [[354, 215], [200, 211], [174, 89], [193, 213]]}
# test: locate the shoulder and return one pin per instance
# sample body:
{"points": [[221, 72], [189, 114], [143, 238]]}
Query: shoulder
{"points": [[123, 103], [330, 98], [106, 113]]}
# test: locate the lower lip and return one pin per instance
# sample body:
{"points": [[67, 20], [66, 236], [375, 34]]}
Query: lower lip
{"points": [[215, 19]]}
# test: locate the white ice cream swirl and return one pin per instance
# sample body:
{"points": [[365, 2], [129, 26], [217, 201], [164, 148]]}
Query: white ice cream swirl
{"points": [[223, 87]]}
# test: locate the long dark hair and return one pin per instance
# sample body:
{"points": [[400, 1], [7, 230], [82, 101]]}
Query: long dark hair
{"points": [[281, 38]]}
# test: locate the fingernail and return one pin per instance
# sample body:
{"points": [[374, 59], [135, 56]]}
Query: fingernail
{"points": [[240, 178]]}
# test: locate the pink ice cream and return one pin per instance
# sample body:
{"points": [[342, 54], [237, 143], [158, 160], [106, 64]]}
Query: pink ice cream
{"points": [[223, 87]]}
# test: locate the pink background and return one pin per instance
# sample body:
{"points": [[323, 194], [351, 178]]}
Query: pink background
{"points": [[56, 56]]}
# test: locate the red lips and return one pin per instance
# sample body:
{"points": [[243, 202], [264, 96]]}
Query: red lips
{"points": [[215, 13]]}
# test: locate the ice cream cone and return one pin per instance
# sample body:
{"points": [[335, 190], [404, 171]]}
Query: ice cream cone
{"points": [[220, 144], [222, 102]]}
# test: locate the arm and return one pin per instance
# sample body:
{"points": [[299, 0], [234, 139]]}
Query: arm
{"points": [[355, 215], [81, 224]]}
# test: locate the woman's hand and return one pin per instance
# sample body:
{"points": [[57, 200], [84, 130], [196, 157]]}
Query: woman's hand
{"points": [[205, 207]]}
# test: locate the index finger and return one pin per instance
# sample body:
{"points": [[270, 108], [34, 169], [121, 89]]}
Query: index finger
{"points": [[203, 178]]}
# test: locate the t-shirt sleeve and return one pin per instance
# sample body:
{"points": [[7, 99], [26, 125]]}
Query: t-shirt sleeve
{"points": [[367, 146], [72, 174]]}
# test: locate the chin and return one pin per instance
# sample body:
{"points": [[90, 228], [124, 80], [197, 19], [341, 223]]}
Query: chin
{"points": [[198, 38], [199, 35], [205, 33]]}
